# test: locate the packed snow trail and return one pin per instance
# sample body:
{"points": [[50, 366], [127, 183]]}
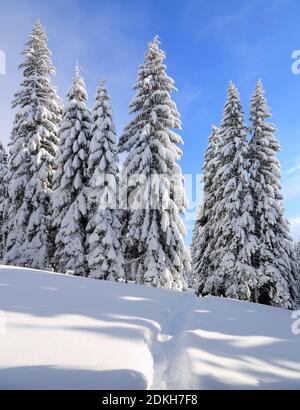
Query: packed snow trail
{"points": [[171, 362], [65, 332]]}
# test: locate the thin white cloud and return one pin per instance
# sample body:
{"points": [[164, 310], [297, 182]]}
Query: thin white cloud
{"points": [[219, 23], [290, 179], [292, 170], [222, 23], [189, 95], [295, 228], [291, 188]]}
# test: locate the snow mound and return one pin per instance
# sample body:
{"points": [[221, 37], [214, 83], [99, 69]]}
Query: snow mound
{"points": [[64, 332]]}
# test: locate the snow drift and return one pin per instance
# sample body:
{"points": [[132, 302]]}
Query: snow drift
{"points": [[64, 332]]}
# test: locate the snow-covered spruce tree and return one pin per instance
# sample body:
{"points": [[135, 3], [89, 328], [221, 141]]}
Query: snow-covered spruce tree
{"points": [[202, 231], [297, 255], [69, 199], [3, 198], [104, 253], [274, 259], [230, 273], [33, 146], [155, 252]]}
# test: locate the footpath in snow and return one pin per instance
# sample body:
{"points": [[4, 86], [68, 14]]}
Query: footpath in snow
{"points": [[59, 331]]}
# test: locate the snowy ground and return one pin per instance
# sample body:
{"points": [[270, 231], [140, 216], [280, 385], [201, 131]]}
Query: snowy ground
{"points": [[58, 331]]}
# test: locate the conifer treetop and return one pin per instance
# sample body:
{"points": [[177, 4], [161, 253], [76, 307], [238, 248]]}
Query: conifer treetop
{"points": [[38, 57], [152, 100], [77, 92]]}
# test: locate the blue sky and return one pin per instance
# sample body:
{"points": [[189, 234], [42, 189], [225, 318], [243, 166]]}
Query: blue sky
{"points": [[208, 43]]}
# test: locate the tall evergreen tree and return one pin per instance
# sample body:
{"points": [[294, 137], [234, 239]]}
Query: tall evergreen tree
{"points": [[69, 199], [33, 146], [104, 253], [230, 272], [297, 252], [297, 255], [274, 259], [202, 232], [155, 252], [3, 199]]}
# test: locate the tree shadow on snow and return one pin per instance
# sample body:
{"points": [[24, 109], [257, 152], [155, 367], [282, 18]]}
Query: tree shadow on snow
{"points": [[236, 346]]}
